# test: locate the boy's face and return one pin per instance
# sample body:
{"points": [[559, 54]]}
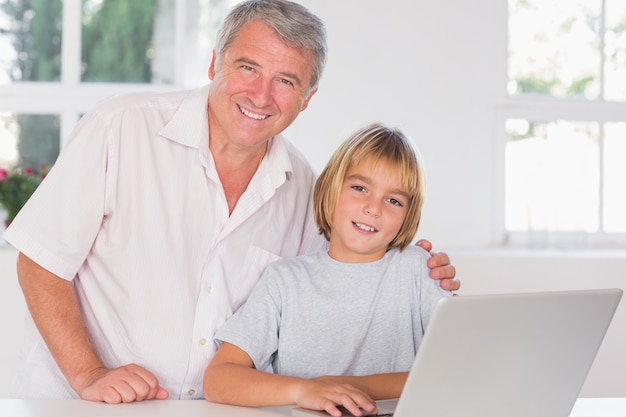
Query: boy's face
{"points": [[259, 87], [370, 211]]}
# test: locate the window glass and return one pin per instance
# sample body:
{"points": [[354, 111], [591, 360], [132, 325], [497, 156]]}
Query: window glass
{"points": [[28, 141], [554, 47], [614, 177], [8, 141], [615, 50], [119, 42], [566, 176], [30, 40], [552, 176]]}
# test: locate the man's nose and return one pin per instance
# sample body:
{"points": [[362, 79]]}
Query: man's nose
{"points": [[261, 92]]}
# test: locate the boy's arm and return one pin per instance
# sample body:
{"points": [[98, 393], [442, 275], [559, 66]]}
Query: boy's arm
{"points": [[231, 379], [378, 386]]}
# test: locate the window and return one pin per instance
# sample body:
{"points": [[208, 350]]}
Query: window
{"points": [[564, 123], [58, 58]]}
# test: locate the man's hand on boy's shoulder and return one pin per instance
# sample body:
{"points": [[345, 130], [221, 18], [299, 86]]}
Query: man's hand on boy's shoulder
{"points": [[440, 267]]}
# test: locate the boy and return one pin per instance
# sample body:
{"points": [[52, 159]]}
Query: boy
{"points": [[338, 328]]}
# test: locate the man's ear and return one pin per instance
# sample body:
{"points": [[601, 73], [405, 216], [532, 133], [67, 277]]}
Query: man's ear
{"points": [[305, 104], [212, 66]]}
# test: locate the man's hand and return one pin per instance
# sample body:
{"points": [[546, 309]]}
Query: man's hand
{"points": [[121, 385], [440, 267]]}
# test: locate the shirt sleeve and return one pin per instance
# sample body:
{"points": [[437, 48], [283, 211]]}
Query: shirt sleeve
{"points": [[430, 293], [57, 226], [254, 326]]}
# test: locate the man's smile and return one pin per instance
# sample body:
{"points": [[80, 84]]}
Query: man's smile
{"points": [[252, 115]]}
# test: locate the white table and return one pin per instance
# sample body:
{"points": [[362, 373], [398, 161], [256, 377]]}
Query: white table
{"points": [[599, 407], [585, 407]]}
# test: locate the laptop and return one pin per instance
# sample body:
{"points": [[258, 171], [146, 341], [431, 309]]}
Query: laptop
{"points": [[513, 355]]}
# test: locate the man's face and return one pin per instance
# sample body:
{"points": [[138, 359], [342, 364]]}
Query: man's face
{"points": [[259, 87]]}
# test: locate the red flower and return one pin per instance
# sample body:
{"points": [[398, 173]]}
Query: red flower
{"points": [[16, 187]]}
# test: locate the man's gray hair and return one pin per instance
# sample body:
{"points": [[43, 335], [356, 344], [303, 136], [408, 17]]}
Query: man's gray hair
{"points": [[293, 23]]}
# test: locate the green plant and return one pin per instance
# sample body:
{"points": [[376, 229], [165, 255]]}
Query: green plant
{"points": [[16, 187]]}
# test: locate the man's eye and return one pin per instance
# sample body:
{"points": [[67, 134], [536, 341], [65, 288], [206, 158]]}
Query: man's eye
{"points": [[247, 67], [286, 82]]}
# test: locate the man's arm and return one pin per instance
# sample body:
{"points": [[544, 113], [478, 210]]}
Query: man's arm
{"points": [[440, 267], [53, 305]]}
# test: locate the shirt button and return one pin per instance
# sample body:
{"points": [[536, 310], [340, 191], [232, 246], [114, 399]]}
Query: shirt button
{"points": [[209, 289], [192, 392], [203, 341]]}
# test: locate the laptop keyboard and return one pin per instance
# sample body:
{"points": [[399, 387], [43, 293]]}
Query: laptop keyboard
{"points": [[346, 413]]}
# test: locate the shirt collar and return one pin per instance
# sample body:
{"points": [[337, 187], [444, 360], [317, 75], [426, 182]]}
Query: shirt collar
{"points": [[279, 160], [190, 126], [190, 123]]}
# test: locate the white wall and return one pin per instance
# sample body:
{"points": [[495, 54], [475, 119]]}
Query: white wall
{"points": [[435, 69]]}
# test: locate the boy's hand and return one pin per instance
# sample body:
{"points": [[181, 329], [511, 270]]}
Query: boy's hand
{"points": [[328, 396]]}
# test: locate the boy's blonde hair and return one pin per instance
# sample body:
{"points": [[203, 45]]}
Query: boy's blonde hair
{"points": [[373, 143]]}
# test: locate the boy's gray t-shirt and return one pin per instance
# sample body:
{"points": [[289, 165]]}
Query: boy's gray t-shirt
{"points": [[311, 315]]}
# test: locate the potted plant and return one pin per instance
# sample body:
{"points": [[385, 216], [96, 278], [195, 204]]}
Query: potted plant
{"points": [[16, 187]]}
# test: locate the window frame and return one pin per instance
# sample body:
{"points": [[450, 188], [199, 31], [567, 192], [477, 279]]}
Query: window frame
{"points": [[77, 96], [537, 107], [548, 108]]}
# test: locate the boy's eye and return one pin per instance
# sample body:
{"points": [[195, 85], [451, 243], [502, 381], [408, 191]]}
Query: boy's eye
{"points": [[358, 188], [396, 202]]}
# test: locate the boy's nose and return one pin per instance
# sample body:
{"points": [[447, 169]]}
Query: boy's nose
{"points": [[372, 210]]}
